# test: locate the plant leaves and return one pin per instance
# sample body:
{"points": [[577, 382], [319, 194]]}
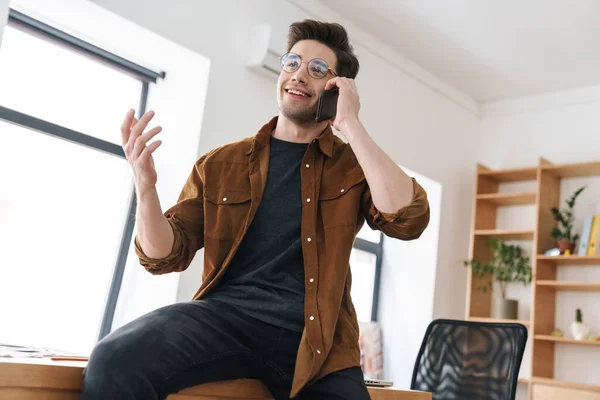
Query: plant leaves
{"points": [[508, 265]]}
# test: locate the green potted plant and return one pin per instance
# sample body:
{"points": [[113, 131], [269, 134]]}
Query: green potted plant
{"points": [[507, 265], [563, 232]]}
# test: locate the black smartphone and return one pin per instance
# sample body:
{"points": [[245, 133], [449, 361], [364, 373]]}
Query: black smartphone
{"points": [[327, 106]]}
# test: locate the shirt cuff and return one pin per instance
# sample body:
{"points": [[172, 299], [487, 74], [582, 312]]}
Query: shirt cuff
{"points": [[159, 263], [417, 207]]}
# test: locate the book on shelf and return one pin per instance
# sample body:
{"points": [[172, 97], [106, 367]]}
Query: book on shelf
{"points": [[593, 240], [589, 240], [585, 235]]}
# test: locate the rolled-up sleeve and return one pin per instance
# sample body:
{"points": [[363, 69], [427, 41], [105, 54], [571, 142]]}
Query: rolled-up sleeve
{"points": [[186, 218], [408, 223]]}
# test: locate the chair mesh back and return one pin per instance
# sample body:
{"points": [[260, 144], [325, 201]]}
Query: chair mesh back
{"points": [[465, 360]]}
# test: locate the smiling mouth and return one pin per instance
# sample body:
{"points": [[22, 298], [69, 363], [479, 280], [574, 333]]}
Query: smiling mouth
{"points": [[297, 93]]}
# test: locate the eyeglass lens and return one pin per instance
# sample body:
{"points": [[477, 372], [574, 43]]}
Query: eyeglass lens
{"points": [[317, 68]]}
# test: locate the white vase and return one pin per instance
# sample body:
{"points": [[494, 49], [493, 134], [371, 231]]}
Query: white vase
{"points": [[579, 330]]}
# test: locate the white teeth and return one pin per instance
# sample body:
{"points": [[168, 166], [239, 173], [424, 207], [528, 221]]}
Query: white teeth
{"points": [[297, 92]]}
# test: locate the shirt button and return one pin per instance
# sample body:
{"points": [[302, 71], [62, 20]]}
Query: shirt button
{"points": [[224, 198], [308, 200], [312, 318], [307, 165], [342, 191], [309, 240], [318, 351], [312, 280]]}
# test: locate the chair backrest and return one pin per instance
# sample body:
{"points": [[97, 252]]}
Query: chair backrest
{"points": [[470, 360]]}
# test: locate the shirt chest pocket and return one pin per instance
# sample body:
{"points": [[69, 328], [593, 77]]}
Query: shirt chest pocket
{"points": [[225, 212], [339, 202]]}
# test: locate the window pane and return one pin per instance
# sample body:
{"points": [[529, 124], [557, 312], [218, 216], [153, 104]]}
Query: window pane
{"points": [[369, 234], [58, 85], [63, 212], [363, 265]]}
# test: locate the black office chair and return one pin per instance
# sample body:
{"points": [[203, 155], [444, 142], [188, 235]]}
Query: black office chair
{"points": [[464, 360]]}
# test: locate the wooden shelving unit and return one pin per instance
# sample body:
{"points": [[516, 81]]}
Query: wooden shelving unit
{"points": [[508, 199], [570, 286], [569, 385], [518, 321], [506, 234], [570, 260], [573, 170], [508, 175], [567, 340], [487, 200]]}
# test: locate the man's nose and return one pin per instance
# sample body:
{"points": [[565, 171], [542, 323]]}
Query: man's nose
{"points": [[301, 74]]}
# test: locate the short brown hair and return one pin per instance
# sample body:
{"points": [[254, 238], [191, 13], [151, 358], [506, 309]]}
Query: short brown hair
{"points": [[332, 35]]}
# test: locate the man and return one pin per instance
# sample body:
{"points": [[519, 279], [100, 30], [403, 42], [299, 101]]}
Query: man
{"points": [[277, 214]]}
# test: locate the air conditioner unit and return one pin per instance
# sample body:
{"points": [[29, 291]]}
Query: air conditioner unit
{"points": [[263, 58]]}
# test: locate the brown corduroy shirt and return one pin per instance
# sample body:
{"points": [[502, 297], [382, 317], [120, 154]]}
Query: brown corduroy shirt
{"points": [[220, 199]]}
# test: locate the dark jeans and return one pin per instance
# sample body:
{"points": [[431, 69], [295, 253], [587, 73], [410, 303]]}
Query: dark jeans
{"points": [[186, 344]]}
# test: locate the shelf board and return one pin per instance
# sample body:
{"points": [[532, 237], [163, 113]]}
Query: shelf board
{"points": [[506, 234], [571, 286], [563, 384], [483, 319], [508, 199], [571, 260], [511, 175], [567, 340], [524, 381], [574, 170]]}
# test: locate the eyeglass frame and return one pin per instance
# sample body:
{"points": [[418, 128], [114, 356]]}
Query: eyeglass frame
{"points": [[306, 62]]}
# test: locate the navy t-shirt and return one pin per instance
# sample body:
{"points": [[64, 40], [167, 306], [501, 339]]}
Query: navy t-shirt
{"points": [[266, 276]]}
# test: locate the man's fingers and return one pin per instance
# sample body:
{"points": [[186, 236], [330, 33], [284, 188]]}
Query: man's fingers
{"points": [[141, 141], [331, 83], [126, 125], [134, 121], [139, 127], [148, 151], [150, 134]]}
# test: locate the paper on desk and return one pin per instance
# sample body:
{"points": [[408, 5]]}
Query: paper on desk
{"points": [[19, 351]]}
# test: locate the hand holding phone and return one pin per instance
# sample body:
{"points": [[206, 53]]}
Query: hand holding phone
{"points": [[327, 107]]}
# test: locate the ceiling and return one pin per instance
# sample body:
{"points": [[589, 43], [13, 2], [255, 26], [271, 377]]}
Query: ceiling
{"points": [[490, 49]]}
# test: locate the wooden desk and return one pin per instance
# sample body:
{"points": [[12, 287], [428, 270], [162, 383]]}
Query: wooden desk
{"points": [[28, 379]]}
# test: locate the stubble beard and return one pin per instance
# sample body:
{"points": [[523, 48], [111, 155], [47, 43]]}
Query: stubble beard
{"points": [[300, 115]]}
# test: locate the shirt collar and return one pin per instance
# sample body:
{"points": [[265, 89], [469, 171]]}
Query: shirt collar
{"points": [[325, 139]]}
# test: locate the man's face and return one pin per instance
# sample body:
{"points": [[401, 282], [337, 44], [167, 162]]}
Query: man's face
{"points": [[302, 109]]}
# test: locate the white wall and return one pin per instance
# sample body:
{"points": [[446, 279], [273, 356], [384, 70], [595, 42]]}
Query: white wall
{"points": [[418, 125], [515, 133], [406, 293], [563, 128]]}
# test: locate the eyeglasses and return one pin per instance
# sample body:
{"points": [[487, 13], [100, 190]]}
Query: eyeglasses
{"points": [[317, 68]]}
